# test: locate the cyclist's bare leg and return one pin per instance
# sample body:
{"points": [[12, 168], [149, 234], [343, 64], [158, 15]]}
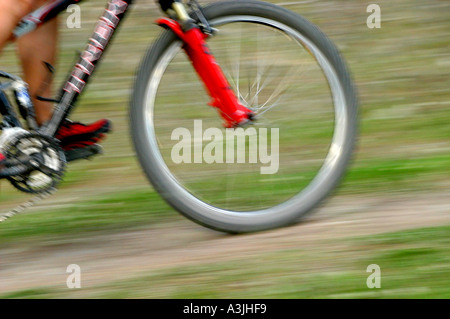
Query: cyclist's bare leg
{"points": [[38, 46], [35, 48], [11, 11]]}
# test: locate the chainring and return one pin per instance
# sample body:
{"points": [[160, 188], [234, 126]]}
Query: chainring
{"points": [[46, 163]]}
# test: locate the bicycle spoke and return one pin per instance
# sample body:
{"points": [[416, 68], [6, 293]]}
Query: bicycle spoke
{"points": [[274, 71]]}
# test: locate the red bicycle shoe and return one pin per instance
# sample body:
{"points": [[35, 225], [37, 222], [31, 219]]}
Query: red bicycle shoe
{"points": [[75, 135]]}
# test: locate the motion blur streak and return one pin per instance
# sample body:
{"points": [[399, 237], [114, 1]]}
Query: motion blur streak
{"points": [[392, 209]]}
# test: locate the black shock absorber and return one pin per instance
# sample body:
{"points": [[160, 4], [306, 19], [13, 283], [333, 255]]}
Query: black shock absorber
{"points": [[25, 104], [6, 109], [23, 100]]}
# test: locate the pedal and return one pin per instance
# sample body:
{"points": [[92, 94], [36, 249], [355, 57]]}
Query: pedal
{"points": [[83, 153]]}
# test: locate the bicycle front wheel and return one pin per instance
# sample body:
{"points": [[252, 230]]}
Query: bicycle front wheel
{"points": [[262, 176]]}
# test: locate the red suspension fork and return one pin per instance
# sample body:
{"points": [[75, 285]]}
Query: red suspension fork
{"points": [[210, 73]]}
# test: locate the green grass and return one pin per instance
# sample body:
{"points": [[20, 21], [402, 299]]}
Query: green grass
{"points": [[127, 209], [403, 94], [414, 264], [401, 74], [131, 208], [397, 174]]}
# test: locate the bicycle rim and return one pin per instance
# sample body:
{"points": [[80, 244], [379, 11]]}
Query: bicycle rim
{"points": [[300, 105]]}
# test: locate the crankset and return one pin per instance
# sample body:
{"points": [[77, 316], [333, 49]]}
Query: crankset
{"points": [[35, 163]]}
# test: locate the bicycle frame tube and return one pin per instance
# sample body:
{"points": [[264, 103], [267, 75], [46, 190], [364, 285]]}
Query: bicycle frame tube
{"points": [[83, 69], [196, 48]]}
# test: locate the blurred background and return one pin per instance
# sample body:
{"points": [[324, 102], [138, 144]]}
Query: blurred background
{"points": [[392, 208]]}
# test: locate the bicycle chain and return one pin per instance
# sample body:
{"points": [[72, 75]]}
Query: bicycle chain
{"points": [[29, 203], [41, 195]]}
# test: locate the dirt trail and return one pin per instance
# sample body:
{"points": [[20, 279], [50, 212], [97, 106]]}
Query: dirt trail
{"points": [[109, 257]]}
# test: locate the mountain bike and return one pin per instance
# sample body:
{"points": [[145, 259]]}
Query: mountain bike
{"points": [[279, 130]]}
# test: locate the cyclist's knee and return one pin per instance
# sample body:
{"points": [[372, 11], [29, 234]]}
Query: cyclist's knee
{"points": [[19, 8], [30, 5], [36, 3], [25, 4]]}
